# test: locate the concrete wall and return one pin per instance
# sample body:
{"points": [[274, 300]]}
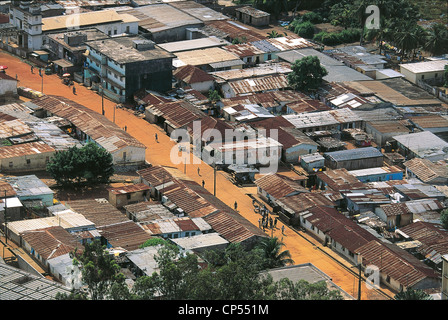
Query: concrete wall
{"points": [[291, 155], [120, 200], [129, 156], [37, 162], [8, 87]]}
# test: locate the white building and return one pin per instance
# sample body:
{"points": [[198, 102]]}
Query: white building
{"points": [[426, 70]]}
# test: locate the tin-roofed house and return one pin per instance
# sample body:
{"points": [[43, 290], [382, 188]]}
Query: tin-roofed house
{"points": [[31, 188], [354, 159], [423, 144], [274, 186], [252, 16], [48, 243], [123, 195], [194, 77], [126, 151], [399, 270], [427, 171]]}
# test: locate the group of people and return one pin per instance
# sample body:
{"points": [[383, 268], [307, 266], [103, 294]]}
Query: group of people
{"points": [[266, 221]]}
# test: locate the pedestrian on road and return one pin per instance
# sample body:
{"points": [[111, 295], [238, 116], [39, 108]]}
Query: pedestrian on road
{"points": [[275, 222], [32, 69], [235, 205], [199, 172], [283, 229], [125, 128], [203, 183], [259, 223], [157, 138], [74, 90], [270, 222]]}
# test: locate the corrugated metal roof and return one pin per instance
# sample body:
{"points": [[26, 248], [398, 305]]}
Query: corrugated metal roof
{"points": [[127, 234], [354, 154], [52, 242], [398, 264], [277, 186], [99, 211], [99, 128], [20, 150], [16, 284], [261, 84]]}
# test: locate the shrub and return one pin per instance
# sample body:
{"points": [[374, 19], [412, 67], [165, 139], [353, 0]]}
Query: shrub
{"points": [[305, 30], [312, 17]]}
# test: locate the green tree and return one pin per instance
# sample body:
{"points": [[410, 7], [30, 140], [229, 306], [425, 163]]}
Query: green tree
{"points": [[234, 273], [305, 30], [307, 74], [90, 164], [100, 274], [437, 39], [412, 294], [272, 253], [444, 218]]}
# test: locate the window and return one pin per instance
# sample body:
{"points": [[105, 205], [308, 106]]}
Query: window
{"points": [[423, 76], [28, 161], [128, 196], [10, 164]]}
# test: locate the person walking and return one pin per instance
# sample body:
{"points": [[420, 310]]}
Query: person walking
{"points": [[235, 205], [283, 229], [32, 69], [203, 183], [275, 222], [199, 172], [157, 138], [74, 90]]}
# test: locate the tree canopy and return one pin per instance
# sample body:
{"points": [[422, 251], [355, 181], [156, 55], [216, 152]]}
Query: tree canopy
{"points": [[89, 164], [307, 74], [231, 274]]}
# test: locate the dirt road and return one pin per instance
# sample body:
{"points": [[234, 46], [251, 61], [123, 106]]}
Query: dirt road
{"points": [[302, 248]]}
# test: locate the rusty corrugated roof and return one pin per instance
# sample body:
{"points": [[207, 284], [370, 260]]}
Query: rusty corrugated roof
{"points": [[99, 128]]}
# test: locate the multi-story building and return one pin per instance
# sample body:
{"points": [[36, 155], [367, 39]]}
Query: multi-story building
{"points": [[27, 18], [122, 66]]}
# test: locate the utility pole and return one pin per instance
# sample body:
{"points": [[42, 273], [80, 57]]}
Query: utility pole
{"points": [[6, 222], [214, 180], [42, 76], [102, 98], [359, 275]]}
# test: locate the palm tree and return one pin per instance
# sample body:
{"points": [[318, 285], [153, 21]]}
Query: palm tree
{"points": [[273, 34], [271, 251], [407, 38], [413, 294], [437, 39]]}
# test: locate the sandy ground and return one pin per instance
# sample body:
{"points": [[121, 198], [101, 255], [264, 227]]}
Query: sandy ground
{"points": [[302, 247]]}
